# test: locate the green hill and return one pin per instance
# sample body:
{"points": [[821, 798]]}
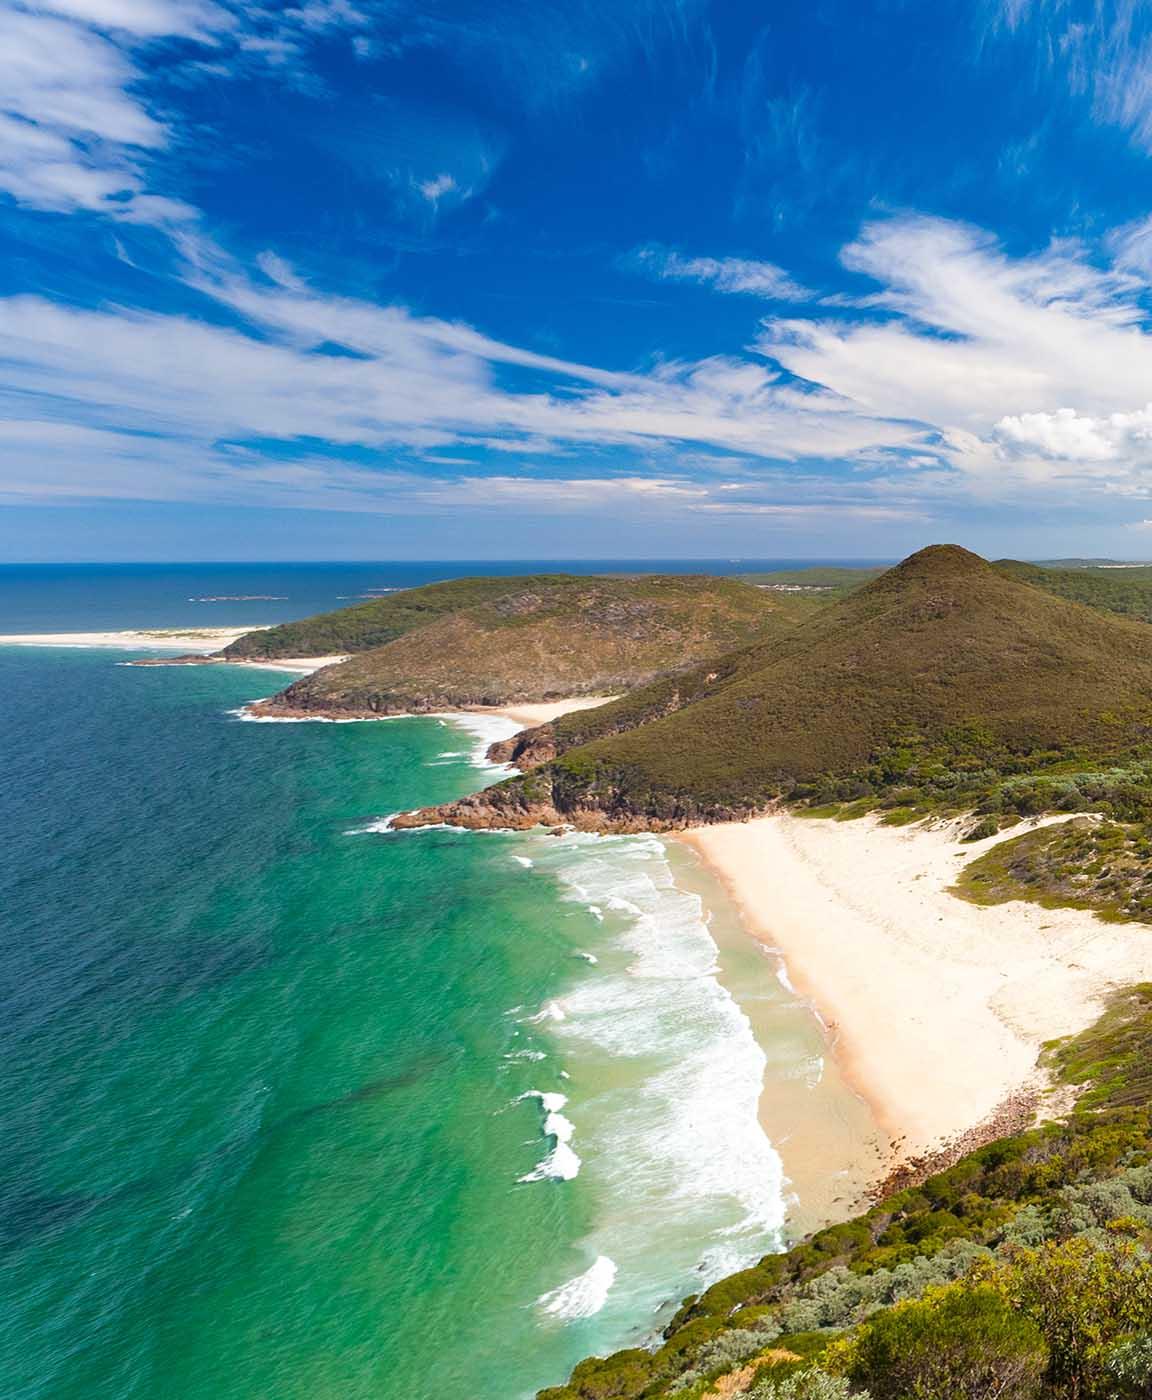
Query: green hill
{"points": [[1127, 591], [537, 639], [1021, 1272], [373, 624], [940, 680], [796, 592]]}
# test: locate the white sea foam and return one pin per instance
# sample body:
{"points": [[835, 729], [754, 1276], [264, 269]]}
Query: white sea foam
{"points": [[550, 1011], [583, 1296], [486, 730], [561, 1163], [376, 825], [673, 1140], [243, 713], [783, 978]]}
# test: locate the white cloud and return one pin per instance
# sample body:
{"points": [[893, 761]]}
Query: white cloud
{"points": [[76, 129], [72, 135], [65, 78], [974, 372], [146, 18], [974, 339], [734, 275], [1068, 436], [1103, 59], [437, 187]]}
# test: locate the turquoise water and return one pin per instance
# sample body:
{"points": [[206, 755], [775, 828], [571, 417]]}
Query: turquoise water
{"points": [[273, 1077]]}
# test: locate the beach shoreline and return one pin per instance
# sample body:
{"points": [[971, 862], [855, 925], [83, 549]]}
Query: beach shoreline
{"points": [[199, 644], [936, 1009], [528, 715], [522, 716], [202, 640], [824, 1130]]}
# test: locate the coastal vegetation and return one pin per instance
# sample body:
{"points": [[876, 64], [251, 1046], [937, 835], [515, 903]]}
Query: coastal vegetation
{"points": [[1125, 590], [942, 685], [374, 623], [531, 639], [1083, 864], [1022, 1270]]}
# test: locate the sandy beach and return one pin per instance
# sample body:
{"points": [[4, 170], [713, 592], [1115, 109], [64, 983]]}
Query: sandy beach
{"points": [[305, 664], [936, 1008], [196, 639], [527, 715], [201, 640]]}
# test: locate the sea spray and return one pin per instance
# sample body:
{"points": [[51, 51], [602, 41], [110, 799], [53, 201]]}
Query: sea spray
{"points": [[582, 1296], [561, 1163]]}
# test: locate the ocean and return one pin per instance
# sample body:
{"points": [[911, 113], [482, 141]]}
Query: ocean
{"points": [[295, 1106]]}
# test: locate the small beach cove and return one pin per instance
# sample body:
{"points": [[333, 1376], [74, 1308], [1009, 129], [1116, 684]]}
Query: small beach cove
{"points": [[939, 1007]]}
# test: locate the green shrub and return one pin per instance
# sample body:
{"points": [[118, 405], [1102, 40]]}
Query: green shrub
{"points": [[812, 1384], [1128, 1365], [961, 1344], [734, 1346], [1084, 1298]]}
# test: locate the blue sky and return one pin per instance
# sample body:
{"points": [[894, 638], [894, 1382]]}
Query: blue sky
{"points": [[600, 278]]}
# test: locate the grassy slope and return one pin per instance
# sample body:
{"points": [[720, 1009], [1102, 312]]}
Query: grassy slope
{"points": [[1067, 1179], [1124, 591], [547, 638], [379, 621], [375, 623], [941, 662]]}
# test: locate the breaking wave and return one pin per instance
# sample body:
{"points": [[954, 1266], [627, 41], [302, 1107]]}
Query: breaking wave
{"points": [[561, 1163], [671, 1076], [583, 1296]]}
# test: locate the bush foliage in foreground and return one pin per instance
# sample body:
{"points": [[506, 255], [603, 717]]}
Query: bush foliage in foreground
{"points": [[1024, 1272]]}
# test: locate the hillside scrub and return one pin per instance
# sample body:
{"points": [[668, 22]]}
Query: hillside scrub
{"points": [[939, 686], [542, 639], [1056, 1222], [1083, 864]]}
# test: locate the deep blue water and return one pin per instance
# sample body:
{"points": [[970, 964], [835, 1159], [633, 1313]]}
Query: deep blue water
{"points": [[100, 597]]}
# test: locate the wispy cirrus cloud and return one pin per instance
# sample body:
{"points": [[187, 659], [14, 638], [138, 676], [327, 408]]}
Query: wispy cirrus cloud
{"points": [[738, 276], [970, 373], [79, 130], [72, 135], [1099, 54]]}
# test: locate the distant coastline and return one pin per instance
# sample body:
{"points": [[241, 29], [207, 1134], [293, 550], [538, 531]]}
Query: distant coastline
{"points": [[198, 644]]}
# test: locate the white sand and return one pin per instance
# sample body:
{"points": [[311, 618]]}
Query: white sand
{"points": [[292, 663], [938, 1007], [529, 715], [202, 641], [199, 639]]}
